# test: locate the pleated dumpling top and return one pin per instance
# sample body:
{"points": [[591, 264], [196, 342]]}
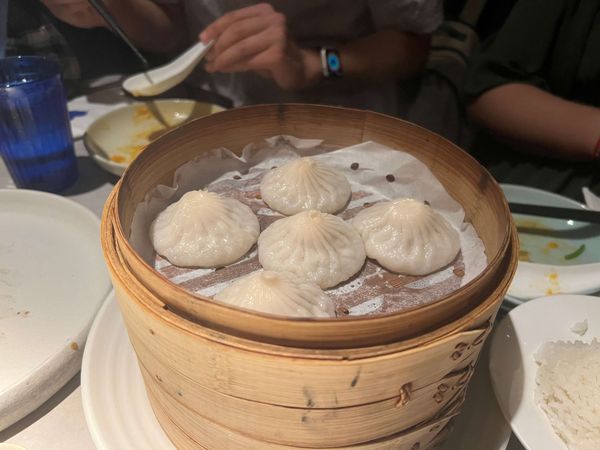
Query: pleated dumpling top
{"points": [[314, 246], [407, 236], [304, 184], [204, 229], [278, 293]]}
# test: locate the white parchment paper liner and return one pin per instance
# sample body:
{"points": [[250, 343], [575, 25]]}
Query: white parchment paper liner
{"points": [[411, 179]]}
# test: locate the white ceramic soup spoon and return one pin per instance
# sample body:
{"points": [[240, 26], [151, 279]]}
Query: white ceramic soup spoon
{"points": [[163, 78], [534, 280]]}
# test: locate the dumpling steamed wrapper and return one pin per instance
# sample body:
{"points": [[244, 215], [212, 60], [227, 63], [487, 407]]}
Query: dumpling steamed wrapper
{"points": [[304, 184], [314, 246], [278, 293], [204, 229], [406, 236]]}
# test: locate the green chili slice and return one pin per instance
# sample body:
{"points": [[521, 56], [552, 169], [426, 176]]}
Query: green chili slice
{"points": [[576, 253]]}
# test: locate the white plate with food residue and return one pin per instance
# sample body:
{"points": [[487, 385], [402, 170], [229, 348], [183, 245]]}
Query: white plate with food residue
{"points": [[52, 282], [116, 138], [557, 256]]}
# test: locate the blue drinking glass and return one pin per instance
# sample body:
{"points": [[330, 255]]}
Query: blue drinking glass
{"points": [[35, 136]]}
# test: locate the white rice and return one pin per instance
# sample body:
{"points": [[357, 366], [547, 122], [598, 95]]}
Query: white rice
{"points": [[568, 390]]}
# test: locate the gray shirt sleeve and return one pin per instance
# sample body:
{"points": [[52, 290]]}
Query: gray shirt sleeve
{"points": [[416, 16]]}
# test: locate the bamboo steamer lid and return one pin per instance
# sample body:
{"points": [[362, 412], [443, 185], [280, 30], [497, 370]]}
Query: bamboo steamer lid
{"points": [[464, 179]]}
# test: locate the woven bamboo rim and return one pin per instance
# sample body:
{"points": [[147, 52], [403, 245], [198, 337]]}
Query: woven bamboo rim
{"points": [[489, 214]]}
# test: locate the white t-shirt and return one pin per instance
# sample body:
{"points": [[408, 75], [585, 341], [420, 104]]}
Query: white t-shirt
{"points": [[313, 24]]}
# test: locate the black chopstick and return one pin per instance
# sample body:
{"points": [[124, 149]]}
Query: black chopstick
{"points": [[110, 20], [581, 215]]}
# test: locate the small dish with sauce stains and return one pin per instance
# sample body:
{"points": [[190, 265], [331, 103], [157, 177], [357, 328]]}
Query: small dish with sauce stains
{"points": [[557, 256], [116, 138]]}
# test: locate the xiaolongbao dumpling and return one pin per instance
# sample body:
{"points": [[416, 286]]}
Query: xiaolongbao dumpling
{"points": [[314, 246], [203, 229], [304, 184], [406, 236], [278, 293]]}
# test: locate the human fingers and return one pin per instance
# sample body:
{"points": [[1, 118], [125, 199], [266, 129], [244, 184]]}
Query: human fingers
{"points": [[243, 40], [241, 51], [264, 61], [222, 23], [244, 29]]}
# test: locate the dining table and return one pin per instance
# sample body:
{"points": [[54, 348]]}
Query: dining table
{"points": [[59, 423]]}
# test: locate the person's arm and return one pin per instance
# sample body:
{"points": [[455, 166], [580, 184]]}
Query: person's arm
{"points": [[386, 54], [256, 39], [152, 27], [538, 121]]}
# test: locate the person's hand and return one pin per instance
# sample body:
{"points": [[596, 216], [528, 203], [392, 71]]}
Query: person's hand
{"points": [[256, 39], [78, 13]]}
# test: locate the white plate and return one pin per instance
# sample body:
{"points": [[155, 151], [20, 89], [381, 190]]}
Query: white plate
{"points": [[119, 415], [512, 365], [117, 411], [563, 236], [52, 282]]}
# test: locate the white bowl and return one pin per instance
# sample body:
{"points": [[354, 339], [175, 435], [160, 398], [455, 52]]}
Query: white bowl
{"points": [[116, 138]]}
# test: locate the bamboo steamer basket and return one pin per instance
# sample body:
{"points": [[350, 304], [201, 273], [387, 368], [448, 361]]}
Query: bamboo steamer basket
{"points": [[218, 391], [463, 178], [216, 381]]}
